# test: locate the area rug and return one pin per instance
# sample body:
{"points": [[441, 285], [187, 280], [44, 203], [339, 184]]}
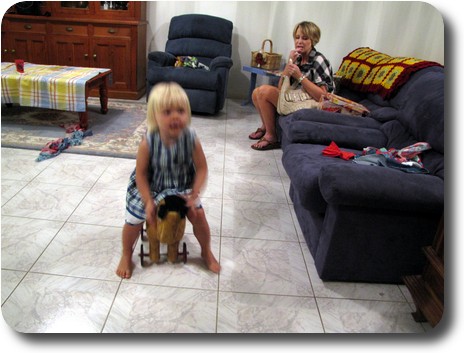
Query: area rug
{"points": [[115, 134]]}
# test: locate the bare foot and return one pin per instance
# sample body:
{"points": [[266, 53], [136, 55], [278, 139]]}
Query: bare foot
{"points": [[125, 267], [211, 262]]}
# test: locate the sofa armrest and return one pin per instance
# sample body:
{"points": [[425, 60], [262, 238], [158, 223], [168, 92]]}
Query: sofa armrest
{"points": [[345, 136], [220, 61], [351, 184], [322, 116], [160, 58]]}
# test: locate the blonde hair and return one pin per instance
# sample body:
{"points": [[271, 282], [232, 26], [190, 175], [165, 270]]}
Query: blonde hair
{"points": [[309, 29], [162, 96]]}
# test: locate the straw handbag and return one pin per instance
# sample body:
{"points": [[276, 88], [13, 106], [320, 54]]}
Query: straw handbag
{"points": [[266, 60], [292, 99]]}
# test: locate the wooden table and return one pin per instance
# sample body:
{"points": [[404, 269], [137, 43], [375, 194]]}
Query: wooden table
{"points": [[101, 82], [55, 87]]}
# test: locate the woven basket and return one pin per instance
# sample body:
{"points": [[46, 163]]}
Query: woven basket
{"points": [[266, 60]]}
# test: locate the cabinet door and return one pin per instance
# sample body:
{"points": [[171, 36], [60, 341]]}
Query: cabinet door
{"points": [[7, 53], [29, 47], [70, 51], [124, 10], [114, 54], [73, 8], [24, 39]]}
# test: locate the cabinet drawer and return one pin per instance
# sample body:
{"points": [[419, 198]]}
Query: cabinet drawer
{"points": [[69, 28], [23, 26], [105, 31]]}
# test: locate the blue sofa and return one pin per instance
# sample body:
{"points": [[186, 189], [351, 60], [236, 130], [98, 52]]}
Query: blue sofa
{"points": [[207, 38], [368, 223]]}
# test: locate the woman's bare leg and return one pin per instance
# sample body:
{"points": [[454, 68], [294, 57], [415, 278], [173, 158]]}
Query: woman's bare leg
{"points": [[262, 129], [265, 101]]}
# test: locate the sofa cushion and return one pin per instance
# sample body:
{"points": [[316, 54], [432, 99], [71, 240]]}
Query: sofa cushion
{"points": [[203, 49], [202, 36], [422, 110], [382, 114], [201, 26], [434, 162], [160, 58], [378, 187], [321, 127], [187, 77], [332, 118], [343, 136], [397, 135]]}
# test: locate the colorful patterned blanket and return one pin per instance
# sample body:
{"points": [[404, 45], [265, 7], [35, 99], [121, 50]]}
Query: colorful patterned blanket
{"points": [[367, 70], [47, 86]]}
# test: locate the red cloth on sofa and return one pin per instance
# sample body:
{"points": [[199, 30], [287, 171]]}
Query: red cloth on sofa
{"points": [[333, 150]]}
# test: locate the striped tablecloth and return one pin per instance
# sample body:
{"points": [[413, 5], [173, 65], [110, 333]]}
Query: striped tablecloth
{"points": [[47, 86]]}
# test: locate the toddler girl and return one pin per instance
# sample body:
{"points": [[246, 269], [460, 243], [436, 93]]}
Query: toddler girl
{"points": [[170, 161]]}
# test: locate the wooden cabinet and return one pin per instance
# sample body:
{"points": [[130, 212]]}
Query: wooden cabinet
{"points": [[109, 34], [69, 44], [114, 53], [112, 10], [428, 288], [25, 39]]}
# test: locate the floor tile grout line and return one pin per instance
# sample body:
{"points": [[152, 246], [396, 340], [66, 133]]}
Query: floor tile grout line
{"points": [[17, 284], [28, 182], [222, 218], [311, 284], [111, 306], [87, 193], [64, 223]]}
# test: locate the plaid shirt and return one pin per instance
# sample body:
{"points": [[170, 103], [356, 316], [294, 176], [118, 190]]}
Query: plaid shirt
{"points": [[318, 70]]}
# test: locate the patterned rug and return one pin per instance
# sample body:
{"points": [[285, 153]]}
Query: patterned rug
{"points": [[116, 134]]}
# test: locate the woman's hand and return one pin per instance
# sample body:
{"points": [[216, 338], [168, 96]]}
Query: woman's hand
{"points": [[292, 70], [294, 54]]}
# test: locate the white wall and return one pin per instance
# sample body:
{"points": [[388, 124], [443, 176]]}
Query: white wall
{"points": [[397, 28]]}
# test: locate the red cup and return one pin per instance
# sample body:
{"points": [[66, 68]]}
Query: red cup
{"points": [[19, 65]]}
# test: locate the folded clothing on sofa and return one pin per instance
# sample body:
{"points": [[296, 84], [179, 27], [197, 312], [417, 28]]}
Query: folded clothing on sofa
{"points": [[406, 159]]}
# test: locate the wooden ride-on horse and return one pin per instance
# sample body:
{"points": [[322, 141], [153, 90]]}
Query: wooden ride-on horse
{"points": [[169, 229]]}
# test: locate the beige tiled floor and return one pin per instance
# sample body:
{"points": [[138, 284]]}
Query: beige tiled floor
{"points": [[60, 238]]}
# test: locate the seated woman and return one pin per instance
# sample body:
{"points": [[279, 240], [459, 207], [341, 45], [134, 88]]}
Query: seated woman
{"points": [[306, 65]]}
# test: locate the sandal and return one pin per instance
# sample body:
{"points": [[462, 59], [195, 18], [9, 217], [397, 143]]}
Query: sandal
{"points": [[257, 135], [269, 146]]}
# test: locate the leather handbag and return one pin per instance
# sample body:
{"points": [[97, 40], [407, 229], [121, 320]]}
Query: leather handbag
{"points": [[292, 99]]}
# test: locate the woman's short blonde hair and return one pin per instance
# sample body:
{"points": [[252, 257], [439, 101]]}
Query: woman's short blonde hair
{"points": [[165, 95], [309, 29]]}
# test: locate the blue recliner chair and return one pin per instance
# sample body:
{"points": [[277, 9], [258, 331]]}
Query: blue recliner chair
{"points": [[207, 38]]}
